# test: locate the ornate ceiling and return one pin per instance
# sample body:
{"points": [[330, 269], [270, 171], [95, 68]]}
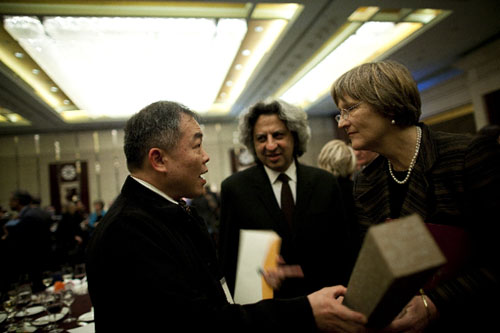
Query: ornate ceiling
{"points": [[37, 93]]}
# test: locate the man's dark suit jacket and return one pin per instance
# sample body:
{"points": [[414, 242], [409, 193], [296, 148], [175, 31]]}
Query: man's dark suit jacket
{"points": [[319, 241], [151, 267]]}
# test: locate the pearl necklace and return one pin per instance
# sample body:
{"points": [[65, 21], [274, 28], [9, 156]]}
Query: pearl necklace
{"points": [[413, 160]]}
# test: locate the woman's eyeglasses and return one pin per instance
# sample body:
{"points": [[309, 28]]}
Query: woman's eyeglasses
{"points": [[344, 113]]}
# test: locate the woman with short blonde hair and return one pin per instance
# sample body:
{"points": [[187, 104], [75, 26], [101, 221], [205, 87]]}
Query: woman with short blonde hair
{"points": [[338, 158]]}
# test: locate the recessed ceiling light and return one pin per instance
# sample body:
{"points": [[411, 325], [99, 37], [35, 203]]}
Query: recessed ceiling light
{"points": [[19, 55], [12, 117], [259, 28], [66, 102], [54, 89], [238, 67], [229, 83], [246, 52], [205, 41], [35, 71]]}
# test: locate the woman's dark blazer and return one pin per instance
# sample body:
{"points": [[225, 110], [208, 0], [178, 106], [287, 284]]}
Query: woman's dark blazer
{"points": [[455, 182]]}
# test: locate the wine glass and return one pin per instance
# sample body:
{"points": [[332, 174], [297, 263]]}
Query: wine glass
{"points": [[80, 271], [47, 279], [10, 307], [53, 305], [68, 297], [24, 293], [67, 273]]}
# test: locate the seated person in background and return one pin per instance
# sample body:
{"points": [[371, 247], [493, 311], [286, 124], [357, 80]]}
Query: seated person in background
{"points": [[451, 180], [276, 133], [207, 206], [5, 278], [4, 218], [151, 264], [69, 236], [97, 214], [27, 240]]}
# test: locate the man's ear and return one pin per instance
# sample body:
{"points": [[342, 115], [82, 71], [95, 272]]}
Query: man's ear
{"points": [[157, 159]]}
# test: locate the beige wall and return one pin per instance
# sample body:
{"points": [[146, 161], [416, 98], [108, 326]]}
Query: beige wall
{"points": [[481, 75], [20, 163], [21, 167]]}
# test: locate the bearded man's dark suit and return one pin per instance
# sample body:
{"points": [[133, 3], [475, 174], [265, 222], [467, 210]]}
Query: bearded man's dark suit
{"points": [[151, 267], [318, 241]]}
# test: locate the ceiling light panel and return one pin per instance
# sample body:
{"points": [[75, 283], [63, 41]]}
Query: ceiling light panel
{"points": [[88, 66], [369, 41], [371, 33], [114, 66]]}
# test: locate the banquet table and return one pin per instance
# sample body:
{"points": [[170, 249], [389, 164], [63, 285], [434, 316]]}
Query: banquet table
{"points": [[81, 305]]}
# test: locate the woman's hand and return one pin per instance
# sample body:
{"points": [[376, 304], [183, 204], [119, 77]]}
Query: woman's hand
{"points": [[415, 316]]}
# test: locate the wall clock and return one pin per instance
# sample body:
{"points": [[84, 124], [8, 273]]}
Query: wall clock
{"points": [[68, 172]]}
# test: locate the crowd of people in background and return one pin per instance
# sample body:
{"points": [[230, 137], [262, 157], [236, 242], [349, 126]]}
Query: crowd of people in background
{"points": [[35, 239]]}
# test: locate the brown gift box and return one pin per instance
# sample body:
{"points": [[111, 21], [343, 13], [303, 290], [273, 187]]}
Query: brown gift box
{"points": [[397, 258]]}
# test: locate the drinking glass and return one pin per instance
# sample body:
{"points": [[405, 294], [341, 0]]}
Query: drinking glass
{"points": [[10, 307], [67, 273], [47, 278], [68, 297], [24, 293], [53, 305], [80, 272]]}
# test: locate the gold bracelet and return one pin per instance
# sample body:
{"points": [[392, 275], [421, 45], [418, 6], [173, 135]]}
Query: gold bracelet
{"points": [[422, 294]]}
